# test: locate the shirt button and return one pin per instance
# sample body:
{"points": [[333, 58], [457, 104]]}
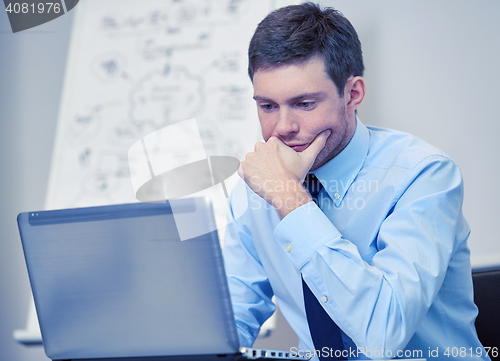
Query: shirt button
{"points": [[336, 195], [324, 299], [289, 248]]}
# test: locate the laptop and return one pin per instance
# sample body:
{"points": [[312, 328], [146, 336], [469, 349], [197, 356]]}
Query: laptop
{"points": [[117, 283]]}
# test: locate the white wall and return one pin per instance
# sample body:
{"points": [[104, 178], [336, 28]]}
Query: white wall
{"points": [[432, 70], [31, 74]]}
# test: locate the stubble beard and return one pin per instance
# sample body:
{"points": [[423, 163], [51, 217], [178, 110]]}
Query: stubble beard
{"points": [[335, 145]]}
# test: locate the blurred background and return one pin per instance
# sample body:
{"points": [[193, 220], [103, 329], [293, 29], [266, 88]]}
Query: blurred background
{"points": [[431, 70]]}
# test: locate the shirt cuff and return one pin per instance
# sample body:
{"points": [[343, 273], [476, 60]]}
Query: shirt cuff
{"points": [[303, 231]]}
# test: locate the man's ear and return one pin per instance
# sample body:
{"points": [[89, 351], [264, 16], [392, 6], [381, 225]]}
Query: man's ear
{"points": [[354, 92]]}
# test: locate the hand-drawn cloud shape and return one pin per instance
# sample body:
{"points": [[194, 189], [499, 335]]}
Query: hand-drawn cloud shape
{"points": [[167, 97]]}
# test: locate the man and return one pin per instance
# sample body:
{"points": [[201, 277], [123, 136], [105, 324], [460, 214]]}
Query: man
{"points": [[382, 249]]}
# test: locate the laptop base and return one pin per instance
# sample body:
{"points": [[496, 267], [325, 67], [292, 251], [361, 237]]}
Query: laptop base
{"points": [[245, 354]]}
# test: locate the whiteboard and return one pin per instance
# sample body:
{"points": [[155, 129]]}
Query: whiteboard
{"points": [[135, 67]]}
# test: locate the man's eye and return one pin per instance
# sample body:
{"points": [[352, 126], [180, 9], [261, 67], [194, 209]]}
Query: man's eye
{"points": [[267, 106], [306, 104]]}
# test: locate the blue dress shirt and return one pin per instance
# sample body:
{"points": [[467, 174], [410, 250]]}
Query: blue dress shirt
{"points": [[386, 254]]}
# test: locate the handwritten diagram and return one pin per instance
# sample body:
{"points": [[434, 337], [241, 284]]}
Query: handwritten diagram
{"points": [[136, 67]]}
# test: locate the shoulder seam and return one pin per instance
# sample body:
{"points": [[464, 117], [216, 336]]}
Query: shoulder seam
{"points": [[408, 165]]}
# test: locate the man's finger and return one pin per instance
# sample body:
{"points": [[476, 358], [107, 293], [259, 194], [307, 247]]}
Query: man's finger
{"points": [[316, 146]]}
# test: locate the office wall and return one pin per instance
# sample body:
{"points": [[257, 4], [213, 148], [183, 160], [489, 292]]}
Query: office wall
{"points": [[31, 75], [431, 70]]}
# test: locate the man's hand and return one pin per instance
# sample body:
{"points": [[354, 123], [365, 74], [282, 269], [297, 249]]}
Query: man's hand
{"points": [[276, 172]]}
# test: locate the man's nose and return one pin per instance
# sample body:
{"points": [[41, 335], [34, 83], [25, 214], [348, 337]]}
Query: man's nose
{"points": [[287, 122]]}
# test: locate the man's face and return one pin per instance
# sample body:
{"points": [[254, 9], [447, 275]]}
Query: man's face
{"points": [[297, 102]]}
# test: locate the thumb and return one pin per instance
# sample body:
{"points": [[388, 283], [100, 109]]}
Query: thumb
{"points": [[310, 154]]}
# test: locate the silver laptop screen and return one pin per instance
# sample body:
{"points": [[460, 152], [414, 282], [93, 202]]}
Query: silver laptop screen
{"points": [[117, 281]]}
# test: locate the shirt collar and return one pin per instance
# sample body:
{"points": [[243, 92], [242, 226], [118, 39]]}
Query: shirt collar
{"points": [[337, 175]]}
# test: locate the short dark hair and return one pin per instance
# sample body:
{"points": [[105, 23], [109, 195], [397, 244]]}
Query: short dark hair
{"points": [[294, 34]]}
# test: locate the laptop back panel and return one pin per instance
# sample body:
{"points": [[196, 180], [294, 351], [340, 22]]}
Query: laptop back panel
{"points": [[117, 281]]}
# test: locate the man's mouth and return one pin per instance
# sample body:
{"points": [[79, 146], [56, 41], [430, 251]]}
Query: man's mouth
{"points": [[299, 147]]}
